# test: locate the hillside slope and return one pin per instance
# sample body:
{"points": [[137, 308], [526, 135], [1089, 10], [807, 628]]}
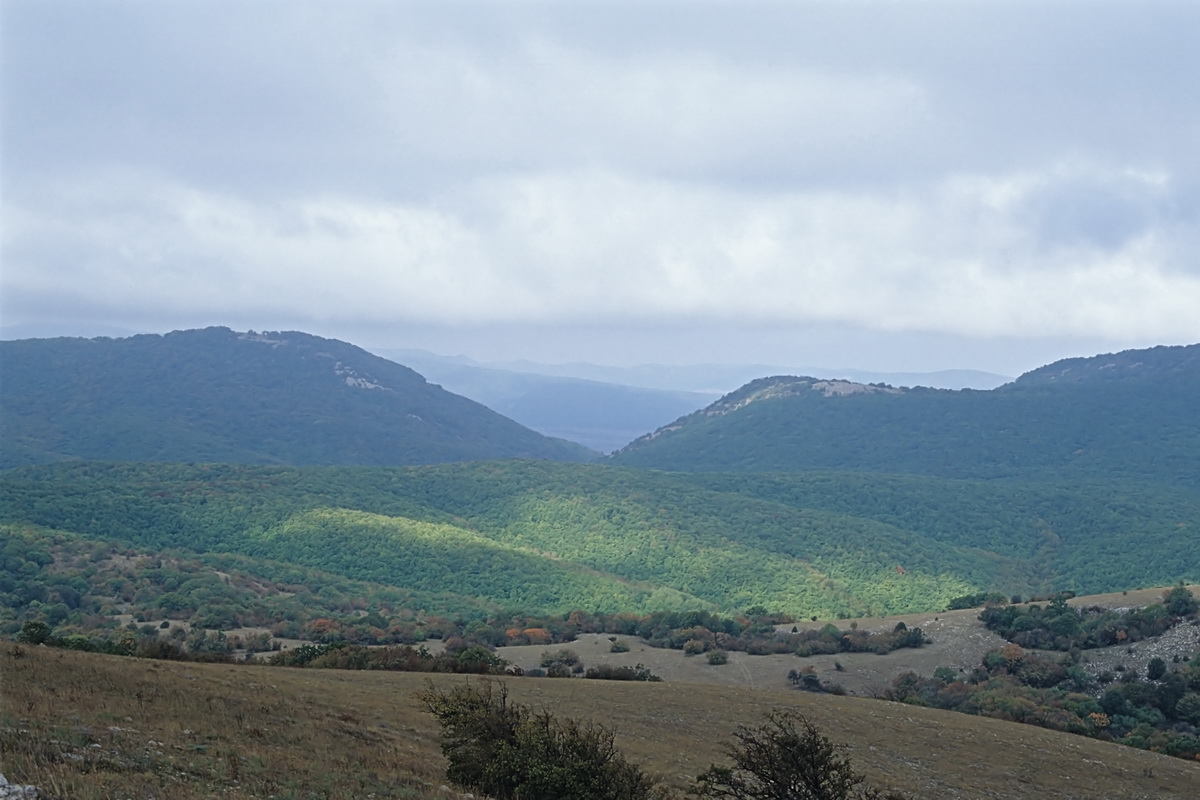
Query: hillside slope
{"points": [[547, 537], [1129, 415], [216, 395], [218, 729]]}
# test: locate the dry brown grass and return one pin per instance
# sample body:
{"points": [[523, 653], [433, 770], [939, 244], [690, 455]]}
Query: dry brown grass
{"points": [[957, 639], [88, 726]]}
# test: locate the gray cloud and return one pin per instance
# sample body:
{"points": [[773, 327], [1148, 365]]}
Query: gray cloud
{"points": [[959, 170]]}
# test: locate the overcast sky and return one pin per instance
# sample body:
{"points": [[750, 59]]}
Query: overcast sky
{"points": [[884, 185]]}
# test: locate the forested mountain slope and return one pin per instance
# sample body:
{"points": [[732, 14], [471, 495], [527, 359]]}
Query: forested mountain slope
{"points": [[216, 395], [1131, 415], [547, 537]]}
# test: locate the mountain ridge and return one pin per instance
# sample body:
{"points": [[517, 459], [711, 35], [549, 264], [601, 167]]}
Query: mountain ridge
{"points": [[1129, 414], [220, 395]]}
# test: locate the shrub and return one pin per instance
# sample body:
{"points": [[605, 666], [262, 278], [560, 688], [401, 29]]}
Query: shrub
{"points": [[607, 672], [718, 657], [34, 632], [562, 656], [509, 751], [1180, 602], [786, 758], [558, 671]]}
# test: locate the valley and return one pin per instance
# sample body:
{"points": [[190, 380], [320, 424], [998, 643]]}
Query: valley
{"points": [[210, 493]]}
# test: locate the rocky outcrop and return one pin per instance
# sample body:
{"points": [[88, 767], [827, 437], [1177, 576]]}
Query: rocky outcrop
{"points": [[12, 791]]}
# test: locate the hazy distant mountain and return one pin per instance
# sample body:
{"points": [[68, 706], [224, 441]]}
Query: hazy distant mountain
{"points": [[606, 407], [1131, 414], [217, 395], [721, 378], [602, 416]]}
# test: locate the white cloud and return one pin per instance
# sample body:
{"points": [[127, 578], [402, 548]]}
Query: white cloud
{"points": [[952, 168], [594, 246]]}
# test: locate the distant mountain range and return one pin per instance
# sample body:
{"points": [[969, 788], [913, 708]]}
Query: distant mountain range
{"points": [[802, 494], [601, 415], [705, 379], [216, 395], [606, 407], [1130, 415]]}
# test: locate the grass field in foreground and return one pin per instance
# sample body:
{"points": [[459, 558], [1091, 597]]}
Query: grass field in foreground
{"points": [[87, 726]]}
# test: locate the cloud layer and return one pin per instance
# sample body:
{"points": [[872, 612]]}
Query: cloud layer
{"points": [[955, 169]]}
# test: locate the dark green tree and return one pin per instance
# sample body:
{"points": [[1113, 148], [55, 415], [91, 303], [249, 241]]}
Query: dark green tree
{"points": [[1180, 602], [510, 752], [34, 632], [787, 758]]}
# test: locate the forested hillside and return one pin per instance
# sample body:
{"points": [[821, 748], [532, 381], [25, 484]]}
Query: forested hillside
{"points": [[545, 537], [220, 396], [1132, 415]]}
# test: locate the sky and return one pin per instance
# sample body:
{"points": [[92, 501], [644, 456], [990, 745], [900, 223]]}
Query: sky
{"points": [[877, 185]]}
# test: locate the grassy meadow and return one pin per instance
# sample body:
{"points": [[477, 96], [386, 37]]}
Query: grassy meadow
{"points": [[84, 726]]}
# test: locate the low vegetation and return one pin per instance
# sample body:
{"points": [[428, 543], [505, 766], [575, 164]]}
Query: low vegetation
{"points": [[508, 751], [1158, 710], [89, 727], [1058, 626], [786, 758]]}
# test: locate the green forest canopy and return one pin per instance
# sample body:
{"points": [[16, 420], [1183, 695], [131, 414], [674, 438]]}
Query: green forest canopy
{"points": [[552, 537]]}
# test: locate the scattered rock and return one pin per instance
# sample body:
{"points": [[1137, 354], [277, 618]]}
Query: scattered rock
{"points": [[12, 791]]}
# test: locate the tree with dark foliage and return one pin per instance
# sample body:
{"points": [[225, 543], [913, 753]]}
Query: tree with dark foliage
{"points": [[786, 758], [510, 752]]}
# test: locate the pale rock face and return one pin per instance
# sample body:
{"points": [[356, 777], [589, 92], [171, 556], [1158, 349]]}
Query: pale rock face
{"points": [[792, 387], [362, 383], [353, 378], [772, 388], [261, 338], [12, 791]]}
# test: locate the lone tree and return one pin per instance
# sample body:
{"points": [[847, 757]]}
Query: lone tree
{"points": [[786, 758], [1180, 602], [510, 752]]}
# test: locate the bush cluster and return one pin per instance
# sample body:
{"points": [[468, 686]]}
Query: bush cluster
{"points": [[1160, 713], [464, 659], [607, 672], [1058, 626], [508, 751], [786, 758]]}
